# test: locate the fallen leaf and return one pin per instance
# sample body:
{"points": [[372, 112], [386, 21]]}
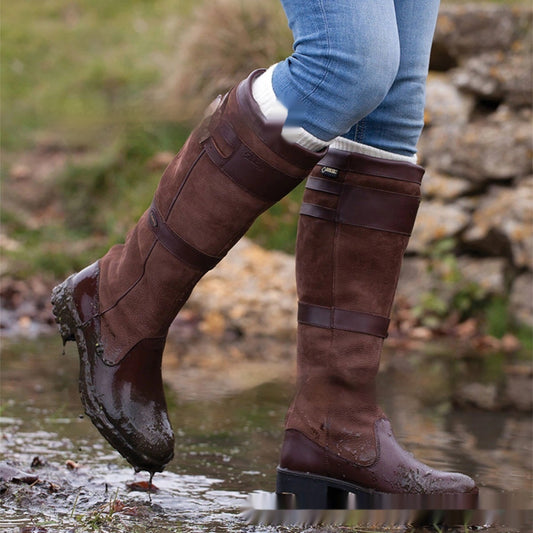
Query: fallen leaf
{"points": [[141, 486], [72, 465]]}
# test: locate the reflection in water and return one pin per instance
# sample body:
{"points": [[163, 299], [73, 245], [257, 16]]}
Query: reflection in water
{"points": [[228, 444]]}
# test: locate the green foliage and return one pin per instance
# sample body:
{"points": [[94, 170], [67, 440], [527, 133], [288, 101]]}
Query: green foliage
{"points": [[450, 292], [276, 228], [499, 321], [454, 297], [431, 309], [119, 185], [497, 317]]}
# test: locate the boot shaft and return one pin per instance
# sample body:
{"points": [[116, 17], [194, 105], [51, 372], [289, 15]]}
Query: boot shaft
{"points": [[356, 218], [232, 168]]}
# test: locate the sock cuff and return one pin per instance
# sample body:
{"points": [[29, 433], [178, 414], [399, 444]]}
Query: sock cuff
{"points": [[296, 135], [272, 109], [263, 94], [341, 143]]}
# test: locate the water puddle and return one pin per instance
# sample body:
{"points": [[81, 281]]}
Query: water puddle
{"points": [[227, 412]]}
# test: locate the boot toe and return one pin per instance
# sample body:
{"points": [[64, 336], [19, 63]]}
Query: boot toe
{"points": [[456, 483], [146, 447], [131, 405]]}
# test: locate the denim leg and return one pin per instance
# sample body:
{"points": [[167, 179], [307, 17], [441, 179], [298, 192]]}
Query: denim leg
{"points": [[395, 125], [346, 57]]}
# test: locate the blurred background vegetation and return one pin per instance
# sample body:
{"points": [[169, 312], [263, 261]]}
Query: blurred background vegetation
{"points": [[96, 97]]}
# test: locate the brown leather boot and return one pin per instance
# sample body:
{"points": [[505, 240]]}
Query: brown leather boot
{"points": [[118, 310], [356, 218]]}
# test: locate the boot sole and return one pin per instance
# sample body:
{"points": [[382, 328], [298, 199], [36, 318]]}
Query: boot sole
{"points": [[69, 323], [313, 491]]}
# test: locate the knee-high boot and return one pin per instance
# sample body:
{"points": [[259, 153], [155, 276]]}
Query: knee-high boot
{"points": [[232, 168], [355, 221]]}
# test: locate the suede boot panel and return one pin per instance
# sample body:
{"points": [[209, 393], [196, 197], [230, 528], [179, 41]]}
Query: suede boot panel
{"points": [[178, 172], [315, 247], [148, 308], [367, 269], [324, 366], [325, 407], [208, 221]]}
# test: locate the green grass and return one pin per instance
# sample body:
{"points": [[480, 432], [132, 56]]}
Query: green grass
{"points": [[99, 200], [69, 68]]}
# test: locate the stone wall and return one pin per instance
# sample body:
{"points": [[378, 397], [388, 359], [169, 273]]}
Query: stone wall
{"points": [[477, 193], [477, 147]]}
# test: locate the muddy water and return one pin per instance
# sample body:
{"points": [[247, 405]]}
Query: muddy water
{"points": [[227, 413]]}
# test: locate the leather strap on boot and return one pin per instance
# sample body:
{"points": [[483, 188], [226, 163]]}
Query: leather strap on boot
{"points": [[244, 149]]}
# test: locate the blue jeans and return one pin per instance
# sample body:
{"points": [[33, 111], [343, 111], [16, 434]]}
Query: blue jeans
{"points": [[358, 69]]}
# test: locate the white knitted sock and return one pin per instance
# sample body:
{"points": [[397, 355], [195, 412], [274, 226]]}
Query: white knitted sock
{"points": [[341, 143], [265, 97], [274, 110]]}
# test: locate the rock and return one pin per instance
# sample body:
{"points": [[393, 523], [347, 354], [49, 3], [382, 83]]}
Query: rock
{"points": [[489, 274], [467, 30], [510, 343], [414, 279], [497, 76], [436, 221], [518, 387], [484, 396], [495, 148], [20, 172], [420, 276], [522, 298], [252, 289], [442, 187], [8, 244], [503, 221], [445, 103]]}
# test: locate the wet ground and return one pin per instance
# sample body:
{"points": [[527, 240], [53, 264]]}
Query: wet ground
{"points": [[60, 475]]}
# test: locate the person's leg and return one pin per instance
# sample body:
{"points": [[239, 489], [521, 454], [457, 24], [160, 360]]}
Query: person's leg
{"points": [[355, 221], [346, 56], [356, 217], [233, 167], [395, 125]]}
